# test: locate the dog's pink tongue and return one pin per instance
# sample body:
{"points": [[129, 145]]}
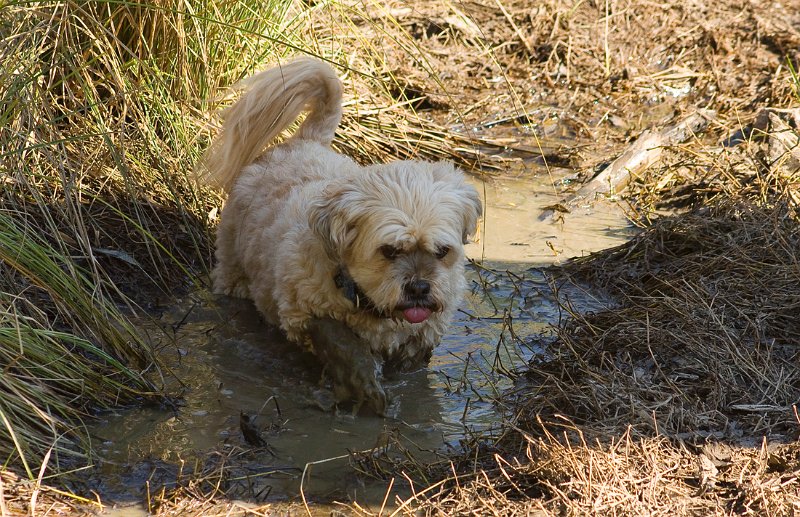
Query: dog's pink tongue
{"points": [[416, 314]]}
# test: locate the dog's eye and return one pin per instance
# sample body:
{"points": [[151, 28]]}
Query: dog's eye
{"points": [[390, 252], [442, 252]]}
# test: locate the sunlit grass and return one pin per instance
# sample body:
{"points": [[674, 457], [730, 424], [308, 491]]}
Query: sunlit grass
{"points": [[795, 79]]}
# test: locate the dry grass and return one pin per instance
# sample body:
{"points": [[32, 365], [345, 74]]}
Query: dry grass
{"points": [[680, 399], [669, 402], [703, 339], [558, 475], [19, 496], [695, 175]]}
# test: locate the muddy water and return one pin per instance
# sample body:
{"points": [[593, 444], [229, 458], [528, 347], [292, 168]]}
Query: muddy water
{"points": [[230, 363], [513, 229]]}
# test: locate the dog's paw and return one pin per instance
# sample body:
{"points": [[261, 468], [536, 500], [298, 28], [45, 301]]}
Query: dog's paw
{"points": [[350, 364], [364, 386], [412, 355]]}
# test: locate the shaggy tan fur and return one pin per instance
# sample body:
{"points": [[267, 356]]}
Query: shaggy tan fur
{"points": [[301, 218]]}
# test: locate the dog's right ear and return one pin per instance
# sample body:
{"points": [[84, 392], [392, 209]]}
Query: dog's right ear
{"points": [[328, 219]]}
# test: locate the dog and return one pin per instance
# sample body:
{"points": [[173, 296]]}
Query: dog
{"points": [[362, 264]]}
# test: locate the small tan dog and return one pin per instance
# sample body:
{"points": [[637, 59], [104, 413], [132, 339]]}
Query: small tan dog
{"points": [[365, 264]]}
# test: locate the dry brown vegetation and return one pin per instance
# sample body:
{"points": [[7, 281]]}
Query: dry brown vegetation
{"points": [[678, 400]]}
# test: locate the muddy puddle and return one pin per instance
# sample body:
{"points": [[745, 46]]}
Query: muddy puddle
{"points": [[513, 232], [231, 364]]}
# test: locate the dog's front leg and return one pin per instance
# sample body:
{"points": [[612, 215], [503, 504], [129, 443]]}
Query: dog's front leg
{"points": [[350, 363]]}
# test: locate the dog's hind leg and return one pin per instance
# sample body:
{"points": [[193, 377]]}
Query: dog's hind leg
{"points": [[230, 281], [229, 276]]}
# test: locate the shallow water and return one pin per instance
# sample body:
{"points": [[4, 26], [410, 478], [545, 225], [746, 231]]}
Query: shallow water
{"points": [[512, 229], [230, 363]]}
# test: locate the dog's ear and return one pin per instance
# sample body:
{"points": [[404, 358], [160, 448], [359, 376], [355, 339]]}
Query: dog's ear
{"points": [[328, 219], [472, 210], [469, 201]]}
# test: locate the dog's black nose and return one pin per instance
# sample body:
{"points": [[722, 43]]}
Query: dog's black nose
{"points": [[418, 289]]}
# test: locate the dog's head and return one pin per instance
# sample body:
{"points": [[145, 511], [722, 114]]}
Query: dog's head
{"points": [[399, 231]]}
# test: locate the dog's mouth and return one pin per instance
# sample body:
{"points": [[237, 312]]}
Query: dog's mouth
{"points": [[414, 312]]}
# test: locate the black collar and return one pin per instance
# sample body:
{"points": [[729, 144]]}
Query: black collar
{"points": [[350, 289]]}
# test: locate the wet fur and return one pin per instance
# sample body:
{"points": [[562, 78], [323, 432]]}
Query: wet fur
{"points": [[299, 212]]}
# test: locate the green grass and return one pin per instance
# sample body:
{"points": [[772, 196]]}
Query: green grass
{"points": [[104, 109], [65, 350], [795, 79]]}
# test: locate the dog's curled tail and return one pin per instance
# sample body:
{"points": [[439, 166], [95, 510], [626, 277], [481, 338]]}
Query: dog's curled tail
{"points": [[273, 100]]}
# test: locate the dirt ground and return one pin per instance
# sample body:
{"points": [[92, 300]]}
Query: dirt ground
{"points": [[604, 71]]}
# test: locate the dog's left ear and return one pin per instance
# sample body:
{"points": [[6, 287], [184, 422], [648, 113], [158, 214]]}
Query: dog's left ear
{"points": [[329, 222], [468, 198], [472, 211]]}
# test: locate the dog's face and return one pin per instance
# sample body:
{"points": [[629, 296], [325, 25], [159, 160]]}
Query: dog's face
{"points": [[399, 230]]}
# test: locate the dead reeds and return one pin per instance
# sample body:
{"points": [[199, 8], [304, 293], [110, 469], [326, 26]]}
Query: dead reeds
{"points": [[703, 339], [678, 399]]}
